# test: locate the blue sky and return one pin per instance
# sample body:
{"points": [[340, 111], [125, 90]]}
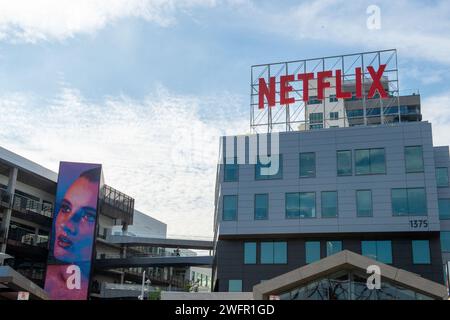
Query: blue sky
{"points": [[147, 86]]}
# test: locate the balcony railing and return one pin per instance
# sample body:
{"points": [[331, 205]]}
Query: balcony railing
{"points": [[26, 237], [119, 201], [26, 205]]}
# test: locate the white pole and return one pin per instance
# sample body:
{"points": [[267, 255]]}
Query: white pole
{"points": [[143, 283]]}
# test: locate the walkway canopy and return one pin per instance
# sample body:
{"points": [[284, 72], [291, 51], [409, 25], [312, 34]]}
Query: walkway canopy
{"points": [[12, 282], [343, 276]]}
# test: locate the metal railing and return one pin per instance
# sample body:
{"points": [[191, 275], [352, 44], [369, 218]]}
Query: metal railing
{"points": [[146, 255], [118, 200], [26, 205], [26, 237]]}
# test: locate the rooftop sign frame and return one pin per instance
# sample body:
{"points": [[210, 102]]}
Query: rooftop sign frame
{"points": [[269, 116]]}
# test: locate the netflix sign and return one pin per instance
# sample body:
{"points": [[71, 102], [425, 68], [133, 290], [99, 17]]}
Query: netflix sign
{"points": [[267, 91]]}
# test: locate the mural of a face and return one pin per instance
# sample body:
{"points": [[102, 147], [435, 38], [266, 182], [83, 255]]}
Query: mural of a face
{"points": [[75, 222]]}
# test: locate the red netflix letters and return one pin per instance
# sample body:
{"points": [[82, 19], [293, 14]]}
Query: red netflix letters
{"points": [[268, 91]]}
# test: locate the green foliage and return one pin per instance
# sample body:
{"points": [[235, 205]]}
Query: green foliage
{"points": [[155, 295]]}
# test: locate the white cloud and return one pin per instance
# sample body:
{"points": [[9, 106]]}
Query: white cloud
{"points": [[417, 29], [436, 110], [161, 150], [36, 20]]}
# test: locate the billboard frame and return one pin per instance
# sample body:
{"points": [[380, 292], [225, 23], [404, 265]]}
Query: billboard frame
{"points": [[290, 116]]}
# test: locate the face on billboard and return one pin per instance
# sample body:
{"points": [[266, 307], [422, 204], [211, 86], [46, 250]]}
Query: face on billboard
{"points": [[73, 232]]}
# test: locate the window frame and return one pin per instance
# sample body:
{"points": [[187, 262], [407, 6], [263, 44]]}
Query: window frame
{"points": [[414, 256], [299, 205], [442, 186], [409, 214], [422, 159], [225, 165], [223, 207], [330, 241], [334, 113], [272, 260], [256, 252], [315, 121], [447, 247], [351, 163], [306, 250], [376, 242], [371, 203], [439, 209], [370, 161], [321, 204], [229, 282], [316, 126], [300, 165], [254, 206]]}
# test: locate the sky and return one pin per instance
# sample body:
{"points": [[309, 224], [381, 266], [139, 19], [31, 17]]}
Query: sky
{"points": [[147, 87]]}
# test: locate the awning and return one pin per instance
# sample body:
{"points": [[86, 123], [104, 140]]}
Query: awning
{"points": [[11, 282], [346, 260]]}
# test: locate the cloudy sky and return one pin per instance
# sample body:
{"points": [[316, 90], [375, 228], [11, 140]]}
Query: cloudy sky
{"points": [[146, 87]]}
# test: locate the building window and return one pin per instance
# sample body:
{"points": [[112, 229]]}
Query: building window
{"points": [[333, 98], [301, 205], [271, 170], [445, 241], [274, 252], [307, 164], [364, 203], [442, 177], [421, 251], [234, 285], [329, 204], [413, 159], [261, 206], [370, 161], [344, 163], [334, 115], [378, 250], [333, 247], [249, 252], [358, 113], [409, 202], [444, 209], [314, 100], [229, 208], [231, 170], [316, 117], [312, 249], [315, 126]]}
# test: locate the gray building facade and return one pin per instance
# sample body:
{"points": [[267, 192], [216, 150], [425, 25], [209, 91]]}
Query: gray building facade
{"points": [[373, 190]]}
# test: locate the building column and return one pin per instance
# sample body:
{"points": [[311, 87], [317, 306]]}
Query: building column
{"points": [[122, 276], [36, 235], [4, 228], [123, 252]]}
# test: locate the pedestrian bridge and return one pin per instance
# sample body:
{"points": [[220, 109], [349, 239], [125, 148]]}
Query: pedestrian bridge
{"points": [[154, 261], [160, 242]]}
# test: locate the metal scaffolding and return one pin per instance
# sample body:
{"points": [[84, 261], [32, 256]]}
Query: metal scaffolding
{"points": [[293, 116]]}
